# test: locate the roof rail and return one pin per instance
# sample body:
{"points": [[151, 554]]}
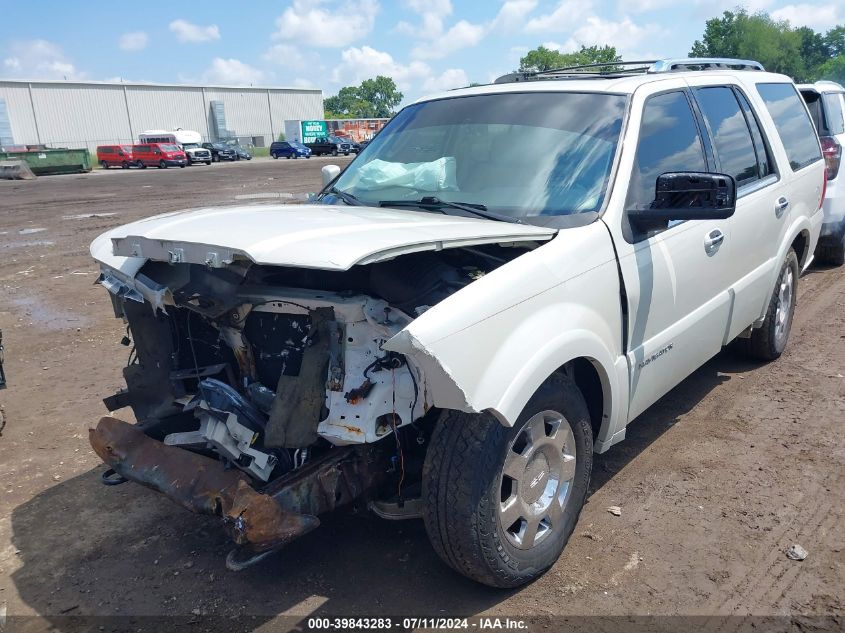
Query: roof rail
{"points": [[623, 68], [704, 63]]}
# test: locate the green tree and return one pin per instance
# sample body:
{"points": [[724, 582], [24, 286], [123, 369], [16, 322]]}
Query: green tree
{"points": [[773, 43], [373, 98], [542, 59]]}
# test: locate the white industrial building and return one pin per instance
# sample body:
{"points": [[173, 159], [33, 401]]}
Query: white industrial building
{"points": [[79, 114]]}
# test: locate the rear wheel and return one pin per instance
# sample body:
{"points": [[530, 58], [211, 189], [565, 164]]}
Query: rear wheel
{"points": [[769, 340], [833, 253], [141, 165], [104, 164], [501, 503], [124, 165]]}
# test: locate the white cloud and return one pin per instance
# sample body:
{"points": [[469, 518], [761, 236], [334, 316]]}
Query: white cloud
{"points": [[313, 23], [462, 34], [231, 72], [135, 41], [513, 13], [358, 64], [451, 78], [290, 56], [566, 14], [817, 16], [625, 35], [39, 59], [194, 33]]}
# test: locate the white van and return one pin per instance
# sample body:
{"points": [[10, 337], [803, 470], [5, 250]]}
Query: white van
{"points": [[188, 140]]}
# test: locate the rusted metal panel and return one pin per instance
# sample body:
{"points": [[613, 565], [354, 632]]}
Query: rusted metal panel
{"points": [[199, 484]]}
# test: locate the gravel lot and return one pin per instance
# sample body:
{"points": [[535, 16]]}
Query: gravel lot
{"points": [[714, 482]]}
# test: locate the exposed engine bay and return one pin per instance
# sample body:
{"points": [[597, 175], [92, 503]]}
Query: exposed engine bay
{"points": [[271, 371]]}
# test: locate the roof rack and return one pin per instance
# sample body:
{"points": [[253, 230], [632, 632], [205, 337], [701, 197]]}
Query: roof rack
{"points": [[623, 68]]}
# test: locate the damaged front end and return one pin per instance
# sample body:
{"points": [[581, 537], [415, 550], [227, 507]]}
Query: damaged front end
{"points": [[261, 392]]}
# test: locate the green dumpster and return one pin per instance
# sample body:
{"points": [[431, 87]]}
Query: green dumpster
{"points": [[53, 161]]}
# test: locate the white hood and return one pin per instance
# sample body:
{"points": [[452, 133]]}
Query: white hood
{"points": [[306, 236]]}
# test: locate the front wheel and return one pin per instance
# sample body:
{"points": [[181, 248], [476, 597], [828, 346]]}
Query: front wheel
{"points": [[162, 164], [501, 503], [275, 156], [769, 340], [216, 159], [334, 152]]}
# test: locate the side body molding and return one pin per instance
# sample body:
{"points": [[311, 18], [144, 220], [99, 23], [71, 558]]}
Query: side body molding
{"points": [[490, 346]]}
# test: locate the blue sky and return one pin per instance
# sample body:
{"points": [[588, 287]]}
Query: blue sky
{"points": [[425, 45]]}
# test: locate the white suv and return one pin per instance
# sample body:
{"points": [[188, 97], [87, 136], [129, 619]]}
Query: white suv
{"points": [[826, 101], [500, 282]]}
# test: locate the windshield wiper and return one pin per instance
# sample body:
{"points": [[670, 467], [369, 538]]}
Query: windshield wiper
{"points": [[348, 198], [436, 204]]}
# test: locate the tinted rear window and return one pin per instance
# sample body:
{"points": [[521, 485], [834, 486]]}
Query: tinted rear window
{"points": [[729, 130], [792, 122]]}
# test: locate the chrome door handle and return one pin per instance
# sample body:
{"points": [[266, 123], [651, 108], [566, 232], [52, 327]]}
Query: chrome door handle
{"points": [[781, 205], [713, 240]]}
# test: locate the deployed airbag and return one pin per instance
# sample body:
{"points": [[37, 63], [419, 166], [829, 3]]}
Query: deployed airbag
{"points": [[437, 175]]}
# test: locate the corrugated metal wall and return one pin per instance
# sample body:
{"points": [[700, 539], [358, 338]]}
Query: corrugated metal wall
{"points": [[69, 114]]}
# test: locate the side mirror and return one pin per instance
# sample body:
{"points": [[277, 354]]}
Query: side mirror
{"points": [[329, 173], [688, 195]]}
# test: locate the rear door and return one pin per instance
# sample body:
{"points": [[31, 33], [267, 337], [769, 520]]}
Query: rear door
{"points": [[759, 225], [677, 277]]}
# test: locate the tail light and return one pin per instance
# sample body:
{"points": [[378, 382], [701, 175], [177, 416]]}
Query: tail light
{"points": [[832, 152]]}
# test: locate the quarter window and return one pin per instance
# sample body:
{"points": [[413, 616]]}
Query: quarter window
{"points": [[729, 132], [669, 141], [793, 124], [764, 159], [835, 122]]}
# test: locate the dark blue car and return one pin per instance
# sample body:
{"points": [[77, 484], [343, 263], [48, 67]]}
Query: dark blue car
{"points": [[289, 149]]}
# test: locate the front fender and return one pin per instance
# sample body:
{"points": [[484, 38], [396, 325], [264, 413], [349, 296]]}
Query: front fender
{"points": [[497, 362]]}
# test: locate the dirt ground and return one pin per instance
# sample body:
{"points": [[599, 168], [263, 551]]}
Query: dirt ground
{"points": [[714, 482]]}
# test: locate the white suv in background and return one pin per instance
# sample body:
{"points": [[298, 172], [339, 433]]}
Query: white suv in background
{"points": [[826, 101]]}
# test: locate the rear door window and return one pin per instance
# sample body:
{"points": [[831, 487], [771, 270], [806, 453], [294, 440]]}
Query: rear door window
{"points": [[835, 122], [669, 141], [792, 122], [730, 134]]}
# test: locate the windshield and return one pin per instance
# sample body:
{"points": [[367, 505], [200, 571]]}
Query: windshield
{"points": [[518, 154], [297, 145], [190, 145]]}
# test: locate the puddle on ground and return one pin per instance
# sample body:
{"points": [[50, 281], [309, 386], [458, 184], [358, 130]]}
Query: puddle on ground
{"points": [[48, 316], [30, 231], [25, 244], [86, 216]]}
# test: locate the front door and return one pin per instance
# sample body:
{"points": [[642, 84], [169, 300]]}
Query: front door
{"points": [[677, 277]]}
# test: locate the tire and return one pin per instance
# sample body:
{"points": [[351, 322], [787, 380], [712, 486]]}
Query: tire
{"points": [[208, 162], [124, 165], [334, 152], [181, 166], [464, 481], [142, 165], [275, 156], [769, 340], [104, 164], [832, 254], [162, 164], [215, 158]]}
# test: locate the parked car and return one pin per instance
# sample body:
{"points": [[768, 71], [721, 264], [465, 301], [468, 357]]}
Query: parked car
{"points": [[115, 156], [188, 140], [329, 145], [161, 155], [289, 149], [241, 153], [354, 146], [220, 151], [826, 101], [451, 331]]}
